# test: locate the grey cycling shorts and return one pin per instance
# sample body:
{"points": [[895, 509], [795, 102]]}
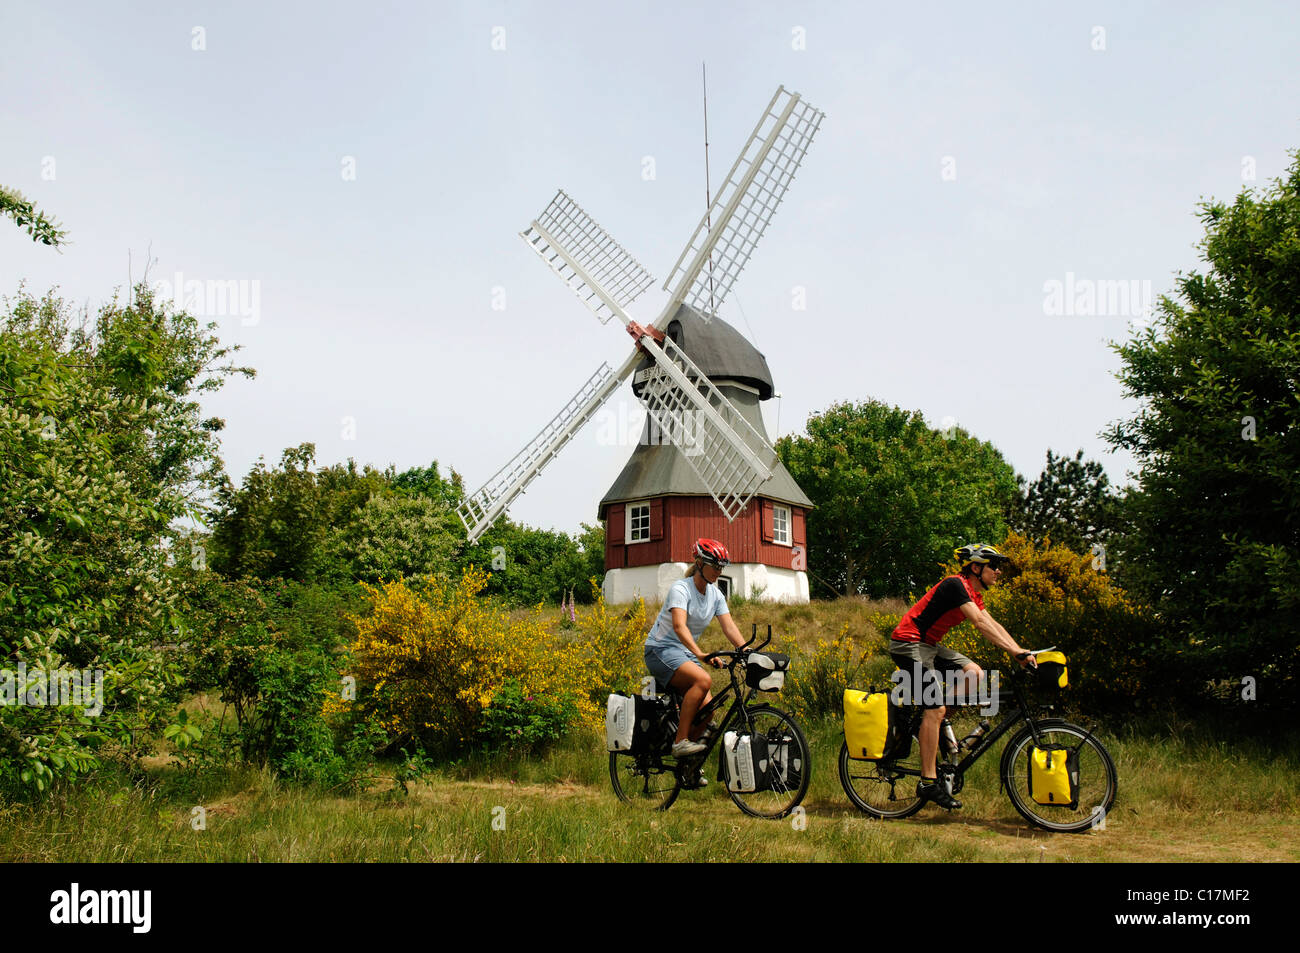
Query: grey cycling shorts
{"points": [[928, 661]]}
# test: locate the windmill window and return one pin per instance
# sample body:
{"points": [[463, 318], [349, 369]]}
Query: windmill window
{"points": [[638, 523], [781, 525]]}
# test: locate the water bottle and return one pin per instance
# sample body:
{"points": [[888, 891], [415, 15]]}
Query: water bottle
{"points": [[947, 739], [971, 738]]}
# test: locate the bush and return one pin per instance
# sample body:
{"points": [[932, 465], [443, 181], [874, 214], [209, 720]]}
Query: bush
{"points": [[519, 721], [274, 652], [102, 451], [432, 656], [613, 647], [818, 679]]}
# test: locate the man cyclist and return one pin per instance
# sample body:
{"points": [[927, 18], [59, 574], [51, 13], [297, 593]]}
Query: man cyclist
{"points": [[915, 648]]}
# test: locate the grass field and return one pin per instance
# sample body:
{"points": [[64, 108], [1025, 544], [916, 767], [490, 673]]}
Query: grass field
{"points": [[1185, 795]]}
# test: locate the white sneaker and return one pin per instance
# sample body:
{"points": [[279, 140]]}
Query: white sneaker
{"points": [[687, 747]]}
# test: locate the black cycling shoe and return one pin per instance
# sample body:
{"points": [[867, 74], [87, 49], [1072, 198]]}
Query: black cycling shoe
{"points": [[934, 791], [696, 782]]}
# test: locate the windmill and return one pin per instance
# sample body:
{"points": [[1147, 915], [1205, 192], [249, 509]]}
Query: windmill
{"points": [[725, 451]]}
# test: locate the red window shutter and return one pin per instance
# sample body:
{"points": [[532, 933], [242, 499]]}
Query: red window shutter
{"points": [[656, 519], [617, 523], [798, 528], [767, 521]]}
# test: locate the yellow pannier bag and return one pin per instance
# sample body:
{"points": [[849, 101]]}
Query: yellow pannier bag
{"points": [[1051, 669], [1054, 775], [866, 724]]}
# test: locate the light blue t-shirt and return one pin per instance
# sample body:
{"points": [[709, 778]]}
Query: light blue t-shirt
{"points": [[701, 609]]}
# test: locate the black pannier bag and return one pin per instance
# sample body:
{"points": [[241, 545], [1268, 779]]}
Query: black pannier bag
{"points": [[785, 765], [634, 724], [766, 671]]}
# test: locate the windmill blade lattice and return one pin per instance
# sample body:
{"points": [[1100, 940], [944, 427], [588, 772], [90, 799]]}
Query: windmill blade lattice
{"points": [[481, 508], [600, 271], [721, 446], [744, 205]]}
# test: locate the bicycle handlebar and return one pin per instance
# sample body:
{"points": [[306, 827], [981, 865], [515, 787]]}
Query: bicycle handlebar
{"points": [[745, 649]]}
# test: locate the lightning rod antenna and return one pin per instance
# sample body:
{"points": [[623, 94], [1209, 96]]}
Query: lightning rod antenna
{"points": [[708, 190]]}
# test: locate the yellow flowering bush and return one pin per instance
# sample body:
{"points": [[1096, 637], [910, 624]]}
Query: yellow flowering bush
{"points": [[442, 667], [612, 644], [431, 656]]}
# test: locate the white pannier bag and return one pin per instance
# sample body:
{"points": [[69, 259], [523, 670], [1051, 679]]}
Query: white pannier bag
{"points": [[745, 762], [766, 671], [620, 722]]}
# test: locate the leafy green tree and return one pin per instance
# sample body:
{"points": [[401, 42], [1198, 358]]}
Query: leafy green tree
{"points": [[283, 523], [396, 535], [1215, 541], [893, 496], [103, 451], [591, 542], [1070, 503], [26, 215], [428, 482], [528, 566]]}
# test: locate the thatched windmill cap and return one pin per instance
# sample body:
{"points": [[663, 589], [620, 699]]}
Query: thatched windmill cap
{"points": [[718, 349]]}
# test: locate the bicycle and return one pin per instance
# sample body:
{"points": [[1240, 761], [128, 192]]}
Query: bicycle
{"points": [[654, 778], [887, 788]]}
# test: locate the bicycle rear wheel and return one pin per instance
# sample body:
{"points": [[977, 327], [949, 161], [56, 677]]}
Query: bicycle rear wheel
{"points": [[885, 789], [790, 765], [643, 781], [1098, 781]]}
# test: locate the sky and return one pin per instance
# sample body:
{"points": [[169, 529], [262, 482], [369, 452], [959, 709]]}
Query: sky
{"points": [[353, 178]]}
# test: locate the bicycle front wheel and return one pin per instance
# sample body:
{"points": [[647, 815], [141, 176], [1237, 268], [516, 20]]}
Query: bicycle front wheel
{"points": [[885, 789], [644, 782], [1098, 782], [789, 764]]}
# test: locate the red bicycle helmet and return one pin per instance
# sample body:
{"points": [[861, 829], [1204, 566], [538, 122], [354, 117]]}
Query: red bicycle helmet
{"points": [[712, 552]]}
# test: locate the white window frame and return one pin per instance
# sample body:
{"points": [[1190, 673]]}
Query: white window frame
{"points": [[628, 534], [726, 585], [776, 534]]}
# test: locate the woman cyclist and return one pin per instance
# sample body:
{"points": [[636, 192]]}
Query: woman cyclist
{"points": [[671, 652]]}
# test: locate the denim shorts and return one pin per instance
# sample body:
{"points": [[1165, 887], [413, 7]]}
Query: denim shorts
{"points": [[664, 660]]}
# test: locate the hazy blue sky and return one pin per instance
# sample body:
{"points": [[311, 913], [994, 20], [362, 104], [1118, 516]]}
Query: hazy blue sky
{"points": [[969, 157]]}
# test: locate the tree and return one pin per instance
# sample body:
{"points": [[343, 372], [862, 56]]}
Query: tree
{"points": [[1070, 503], [25, 214], [1215, 543], [296, 522], [103, 450], [893, 496], [395, 535], [529, 566]]}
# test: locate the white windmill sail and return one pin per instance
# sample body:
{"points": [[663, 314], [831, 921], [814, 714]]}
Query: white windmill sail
{"points": [[600, 271], [721, 446], [744, 205], [726, 452], [481, 508]]}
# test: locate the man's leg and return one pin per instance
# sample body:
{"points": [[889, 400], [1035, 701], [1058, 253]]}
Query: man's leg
{"points": [[929, 739]]}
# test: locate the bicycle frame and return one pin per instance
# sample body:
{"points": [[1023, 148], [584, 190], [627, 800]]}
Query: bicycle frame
{"points": [[989, 738], [737, 714]]}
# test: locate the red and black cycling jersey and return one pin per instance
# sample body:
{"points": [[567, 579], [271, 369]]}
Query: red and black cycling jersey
{"points": [[938, 611]]}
